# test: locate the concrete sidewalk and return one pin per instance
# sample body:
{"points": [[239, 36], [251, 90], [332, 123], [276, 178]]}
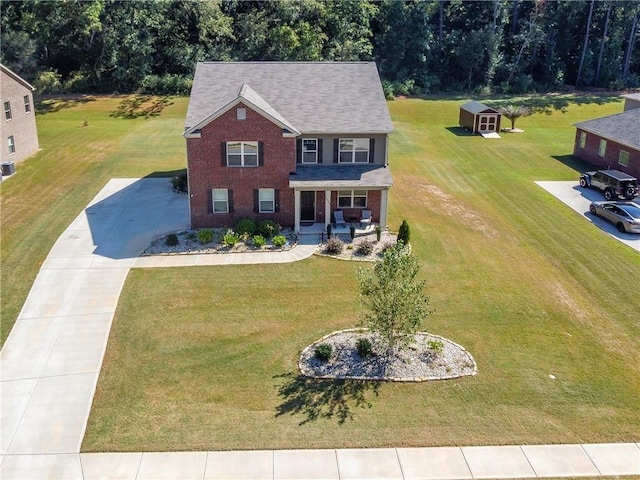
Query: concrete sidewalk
{"points": [[50, 364]]}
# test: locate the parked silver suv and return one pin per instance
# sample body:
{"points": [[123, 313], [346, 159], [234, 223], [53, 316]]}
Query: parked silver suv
{"points": [[613, 183]]}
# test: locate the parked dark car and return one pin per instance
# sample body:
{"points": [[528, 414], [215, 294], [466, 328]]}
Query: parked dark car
{"points": [[624, 215], [613, 184]]}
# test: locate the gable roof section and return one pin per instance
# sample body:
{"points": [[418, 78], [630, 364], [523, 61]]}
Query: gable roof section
{"points": [[16, 77], [313, 97], [477, 107], [250, 98], [622, 128]]}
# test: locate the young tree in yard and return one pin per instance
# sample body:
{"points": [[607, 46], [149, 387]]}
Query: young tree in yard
{"points": [[394, 298], [513, 112]]}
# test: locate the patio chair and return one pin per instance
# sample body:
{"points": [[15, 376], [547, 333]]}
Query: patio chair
{"points": [[338, 216], [366, 218]]}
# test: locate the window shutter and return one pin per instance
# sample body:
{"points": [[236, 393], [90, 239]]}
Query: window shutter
{"points": [[210, 201], [319, 150], [336, 142], [230, 200], [372, 144], [256, 200], [260, 154], [276, 200], [223, 153], [298, 150]]}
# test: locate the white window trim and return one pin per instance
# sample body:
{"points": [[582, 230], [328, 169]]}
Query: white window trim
{"points": [[242, 154], [351, 197], [583, 139], [268, 192], [27, 104], [353, 150], [309, 151], [8, 115], [602, 148], [11, 144], [620, 158], [222, 191]]}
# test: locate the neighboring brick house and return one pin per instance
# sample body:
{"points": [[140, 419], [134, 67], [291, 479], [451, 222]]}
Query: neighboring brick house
{"points": [[287, 141], [612, 142], [19, 132]]}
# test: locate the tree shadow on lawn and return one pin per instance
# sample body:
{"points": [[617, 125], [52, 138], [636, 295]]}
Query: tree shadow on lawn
{"points": [[323, 399], [56, 103], [141, 106], [548, 103]]}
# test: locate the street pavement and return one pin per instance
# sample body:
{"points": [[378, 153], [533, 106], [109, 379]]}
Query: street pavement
{"points": [[50, 363]]}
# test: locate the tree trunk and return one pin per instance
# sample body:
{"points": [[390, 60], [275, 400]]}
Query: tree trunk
{"points": [[632, 38], [514, 18], [604, 40], [441, 25], [586, 42]]}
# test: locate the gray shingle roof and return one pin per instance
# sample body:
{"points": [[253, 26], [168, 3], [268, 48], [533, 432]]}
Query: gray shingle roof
{"points": [[622, 127], [314, 97], [477, 107], [335, 176]]}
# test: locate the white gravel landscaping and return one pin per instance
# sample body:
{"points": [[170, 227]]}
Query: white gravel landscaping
{"points": [[417, 363]]}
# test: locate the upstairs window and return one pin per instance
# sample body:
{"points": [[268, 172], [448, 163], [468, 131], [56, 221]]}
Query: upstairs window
{"points": [[12, 145], [309, 150], [27, 104], [242, 154], [7, 110], [353, 150], [602, 148]]}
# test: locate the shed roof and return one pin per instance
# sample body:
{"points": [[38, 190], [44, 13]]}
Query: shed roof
{"points": [[313, 97], [622, 127], [477, 107], [632, 96]]}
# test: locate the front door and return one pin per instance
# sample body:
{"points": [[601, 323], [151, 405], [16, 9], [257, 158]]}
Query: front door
{"points": [[308, 207]]}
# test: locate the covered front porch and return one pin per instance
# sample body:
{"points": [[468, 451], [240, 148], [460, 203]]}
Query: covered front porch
{"points": [[342, 195]]}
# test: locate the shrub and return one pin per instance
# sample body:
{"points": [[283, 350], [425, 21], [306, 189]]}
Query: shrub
{"points": [[205, 235], [230, 238], [179, 182], [246, 225], [268, 228], [364, 248], [323, 352], [334, 246], [364, 347], [387, 246], [328, 230], [378, 232], [258, 241], [48, 81], [404, 233], [436, 345], [279, 241], [171, 240]]}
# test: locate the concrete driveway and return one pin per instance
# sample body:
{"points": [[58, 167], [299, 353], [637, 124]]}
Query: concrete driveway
{"points": [[579, 199]]}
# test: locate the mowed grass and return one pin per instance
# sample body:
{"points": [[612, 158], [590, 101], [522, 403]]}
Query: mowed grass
{"points": [[50, 189], [205, 357]]}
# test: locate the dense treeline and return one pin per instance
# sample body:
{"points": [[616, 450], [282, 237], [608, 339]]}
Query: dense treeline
{"points": [[420, 46]]}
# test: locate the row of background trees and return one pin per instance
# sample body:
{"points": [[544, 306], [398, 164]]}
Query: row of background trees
{"points": [[492, 46]]}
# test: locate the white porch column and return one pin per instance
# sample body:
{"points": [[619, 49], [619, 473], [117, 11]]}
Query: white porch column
{"points": [[327, 207], [384, 198], [296, 196]]}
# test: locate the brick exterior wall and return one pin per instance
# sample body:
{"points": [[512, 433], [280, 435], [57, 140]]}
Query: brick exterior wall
{"points": [[22, 125], [610, 160], [206, 171]]}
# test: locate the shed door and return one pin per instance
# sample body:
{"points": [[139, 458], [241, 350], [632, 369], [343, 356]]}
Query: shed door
{"points": [[487, 123]]}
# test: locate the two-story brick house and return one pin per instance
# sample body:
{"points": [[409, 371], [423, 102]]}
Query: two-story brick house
{"points": [[291, 142], [19, 132]]}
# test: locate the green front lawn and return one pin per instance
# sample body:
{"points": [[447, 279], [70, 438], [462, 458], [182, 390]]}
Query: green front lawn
{"points": [[205, 357]]}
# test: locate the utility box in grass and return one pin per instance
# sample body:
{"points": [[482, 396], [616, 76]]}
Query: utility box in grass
{"points": [[8, 168]]}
